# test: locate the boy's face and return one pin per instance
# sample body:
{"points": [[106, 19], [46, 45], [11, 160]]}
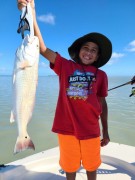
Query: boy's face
{"points": [[89, 53]]}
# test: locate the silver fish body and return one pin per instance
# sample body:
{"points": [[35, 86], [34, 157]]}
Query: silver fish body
{"points": [[25, 77]]}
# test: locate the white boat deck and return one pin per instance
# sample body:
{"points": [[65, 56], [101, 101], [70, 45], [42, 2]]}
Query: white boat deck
{"points": [[118, 164]]}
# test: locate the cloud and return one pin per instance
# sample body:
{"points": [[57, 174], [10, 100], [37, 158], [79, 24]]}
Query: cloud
{"points": [[48, 18], [115, 57], [43, 65], [131, 46], [44, 69]]}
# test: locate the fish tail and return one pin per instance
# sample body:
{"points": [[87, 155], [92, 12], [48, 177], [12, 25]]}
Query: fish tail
{"points": [[12, 119], [23, 143]]}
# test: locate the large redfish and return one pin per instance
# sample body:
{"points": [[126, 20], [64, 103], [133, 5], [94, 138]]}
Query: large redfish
{"points": [[25, 77]]}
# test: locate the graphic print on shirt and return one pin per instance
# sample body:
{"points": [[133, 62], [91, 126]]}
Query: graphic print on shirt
{"points": [[80, 85]]}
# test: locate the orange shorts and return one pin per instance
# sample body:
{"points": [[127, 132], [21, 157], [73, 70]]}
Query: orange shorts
{"points": [[74, 152]]}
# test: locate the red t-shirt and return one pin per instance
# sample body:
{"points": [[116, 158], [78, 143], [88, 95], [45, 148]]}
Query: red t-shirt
{"points": [[77, 112]]}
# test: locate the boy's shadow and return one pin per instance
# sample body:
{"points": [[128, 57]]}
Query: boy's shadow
{"points": [[12, 172], [119, 166]]}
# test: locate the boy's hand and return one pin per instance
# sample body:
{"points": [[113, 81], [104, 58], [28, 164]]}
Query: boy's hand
{"points": [[105, 139], [23, 3]]}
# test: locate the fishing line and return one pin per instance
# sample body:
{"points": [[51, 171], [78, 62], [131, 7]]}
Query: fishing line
{"points": [[132, 81]]}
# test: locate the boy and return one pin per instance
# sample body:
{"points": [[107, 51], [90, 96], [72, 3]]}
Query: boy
{"points": [[81, 101]]}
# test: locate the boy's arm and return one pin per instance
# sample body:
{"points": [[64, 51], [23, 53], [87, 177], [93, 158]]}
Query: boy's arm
{"points": [[104, 122], [46, 52]]}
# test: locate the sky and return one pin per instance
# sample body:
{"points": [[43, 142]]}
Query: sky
{"points": [[61, 22]]}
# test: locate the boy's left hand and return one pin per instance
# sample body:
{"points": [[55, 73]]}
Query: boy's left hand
{"points": [[105, 139]]}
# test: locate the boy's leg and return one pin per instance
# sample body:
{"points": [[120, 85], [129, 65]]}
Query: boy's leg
{"points": [[70, 155], [71, 176], [91, 175], [91, 158]]}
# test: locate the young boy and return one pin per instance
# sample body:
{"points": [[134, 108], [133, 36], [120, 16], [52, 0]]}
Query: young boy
{"points": [[81, 101]]}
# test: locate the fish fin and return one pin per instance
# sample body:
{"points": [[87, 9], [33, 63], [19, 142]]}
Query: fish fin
{"points": [[14, 78], [23, 143], [12, 119], [23, 64]]}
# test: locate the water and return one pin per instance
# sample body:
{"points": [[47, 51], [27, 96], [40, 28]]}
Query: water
{"points": [[121, 116], [121, 112]]}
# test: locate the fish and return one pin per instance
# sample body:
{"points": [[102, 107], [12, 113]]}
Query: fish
{"points": [[25, 79]]}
